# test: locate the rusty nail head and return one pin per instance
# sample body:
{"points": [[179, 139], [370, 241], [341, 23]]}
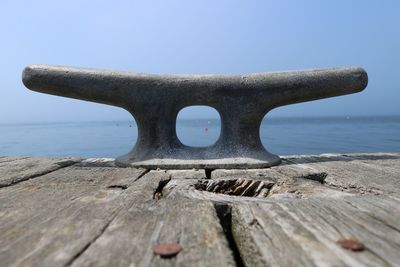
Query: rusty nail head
{"points": [[167, 250], [351, 244]]}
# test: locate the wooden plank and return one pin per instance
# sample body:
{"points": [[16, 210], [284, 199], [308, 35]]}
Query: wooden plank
{"points": [[94, 213], [288, 240], [290, 181], [129, 238], [15, 170], [270, 174], [187, 174], [350, 174], [98, 162], [388, 163], [383, 209], [49, 220], [304, 232], [8, 159]]}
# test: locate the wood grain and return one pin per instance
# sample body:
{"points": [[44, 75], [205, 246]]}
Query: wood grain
{"points": [[129, 238], [304, 232], [14, 170], [68, 212], [48, 220]]}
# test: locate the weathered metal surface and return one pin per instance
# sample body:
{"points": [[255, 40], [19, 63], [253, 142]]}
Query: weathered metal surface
{"points": [[155, 100]]}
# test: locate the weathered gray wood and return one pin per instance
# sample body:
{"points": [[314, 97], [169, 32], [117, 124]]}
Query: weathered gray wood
{"points": [[15, 170], [96, 214], [304, 232], [353, 174], [49, 220], [98, 162], [336, 200], [129, 238], [187, 174], [8, 159], [289, 181]]}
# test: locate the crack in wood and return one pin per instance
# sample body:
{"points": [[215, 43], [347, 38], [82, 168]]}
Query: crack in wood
{"points": [[125, 184], [103, 230], [142, 174], [59, 165], [208, 173], [84, 248], [158, 192], [118, 186], [319, 177], [224, 213]]}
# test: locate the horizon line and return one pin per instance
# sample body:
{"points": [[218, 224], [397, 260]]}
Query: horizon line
{"points": [[206, 118]]}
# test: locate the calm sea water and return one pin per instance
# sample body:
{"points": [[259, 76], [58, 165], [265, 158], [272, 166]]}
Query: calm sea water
{"points": [[283, 136]]}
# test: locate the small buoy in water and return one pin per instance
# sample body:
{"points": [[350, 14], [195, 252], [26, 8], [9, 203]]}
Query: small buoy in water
{"points": [[206, 129]]}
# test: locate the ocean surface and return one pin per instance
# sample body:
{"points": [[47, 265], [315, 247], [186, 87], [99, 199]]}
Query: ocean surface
{"points": [[282, 136]]}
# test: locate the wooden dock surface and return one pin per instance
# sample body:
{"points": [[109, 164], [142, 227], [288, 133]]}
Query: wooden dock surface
{"points": [[73, 212]]}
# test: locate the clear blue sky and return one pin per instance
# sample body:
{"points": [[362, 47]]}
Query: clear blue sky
{"points": [[229, 37]]}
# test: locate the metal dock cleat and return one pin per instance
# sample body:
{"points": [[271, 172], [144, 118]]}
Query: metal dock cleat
{"points": [[155, 101]]}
